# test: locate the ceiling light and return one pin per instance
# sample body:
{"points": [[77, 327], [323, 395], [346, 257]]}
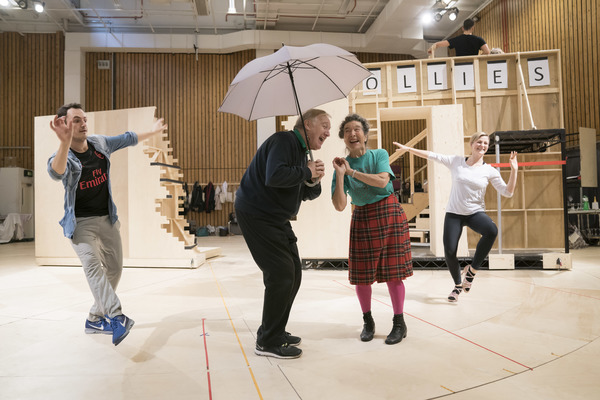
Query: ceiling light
{"points": [[453, 14], [426, 18], [39, 6], [232, 9], [22, 3], [438, 17], [3, 3]]}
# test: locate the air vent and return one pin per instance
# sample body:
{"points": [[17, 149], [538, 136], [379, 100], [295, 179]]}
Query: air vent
{"points": [[103, 64], [202, 7]]}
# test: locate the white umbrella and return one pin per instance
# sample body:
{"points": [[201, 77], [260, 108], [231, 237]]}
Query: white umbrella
{"points": [[291, 80]]}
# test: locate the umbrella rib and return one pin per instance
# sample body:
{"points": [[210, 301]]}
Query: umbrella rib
{"points": [[323, 73], [256, 96]]}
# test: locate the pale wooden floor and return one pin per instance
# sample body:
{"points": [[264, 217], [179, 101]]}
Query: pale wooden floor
{"points": [[517, 335]]}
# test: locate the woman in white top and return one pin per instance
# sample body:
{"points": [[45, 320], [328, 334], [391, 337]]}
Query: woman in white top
{"points": [[466, 206]]}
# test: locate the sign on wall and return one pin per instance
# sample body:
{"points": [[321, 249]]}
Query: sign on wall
{"points": [[407, 79], [372, 85], [497, 74], [539, 71], [464, 76], [437, 76]]}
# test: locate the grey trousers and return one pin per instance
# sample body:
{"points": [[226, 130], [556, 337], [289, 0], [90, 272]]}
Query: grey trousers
{"points": [[97, 242]]}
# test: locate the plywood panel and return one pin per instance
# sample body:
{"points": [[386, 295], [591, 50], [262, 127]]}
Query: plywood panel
{"points": [[499, 113], [549, 231], [543, 190]]}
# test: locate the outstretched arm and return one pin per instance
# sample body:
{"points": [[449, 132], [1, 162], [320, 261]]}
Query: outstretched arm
{"points": [[416, 152], [159, 126], [436, 45]]}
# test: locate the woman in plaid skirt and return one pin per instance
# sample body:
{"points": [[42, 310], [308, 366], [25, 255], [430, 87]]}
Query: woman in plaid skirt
{"points": [[379, 238]]}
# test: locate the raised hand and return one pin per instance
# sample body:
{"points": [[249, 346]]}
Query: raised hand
{"points": [[63, 130], [513, 161], [159, 125], [339, 165]]}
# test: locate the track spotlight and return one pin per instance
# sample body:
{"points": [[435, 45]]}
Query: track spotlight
{"points": [[39, 6], [22, 3], [453, 14], [437, 17]]}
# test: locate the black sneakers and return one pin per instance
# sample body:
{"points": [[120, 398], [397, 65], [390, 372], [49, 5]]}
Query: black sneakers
{"points": [[281, 351], [292, 340]]}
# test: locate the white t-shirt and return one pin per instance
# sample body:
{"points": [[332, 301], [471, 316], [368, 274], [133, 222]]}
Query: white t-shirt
{"points": [[469, 183]]}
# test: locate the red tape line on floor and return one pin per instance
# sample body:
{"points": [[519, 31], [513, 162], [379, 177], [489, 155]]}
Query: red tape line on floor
{"points": [[450, 332], [207, 367], [529, 163]]}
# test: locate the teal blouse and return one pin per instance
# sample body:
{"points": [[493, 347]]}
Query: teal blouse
{"points": [[372, 162]]}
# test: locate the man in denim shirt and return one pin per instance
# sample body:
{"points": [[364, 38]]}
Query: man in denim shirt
{"points": [[82, 163]]}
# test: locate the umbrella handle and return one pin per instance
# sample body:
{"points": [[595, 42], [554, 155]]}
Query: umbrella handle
{"points": [[299, 110], [312, 184]]}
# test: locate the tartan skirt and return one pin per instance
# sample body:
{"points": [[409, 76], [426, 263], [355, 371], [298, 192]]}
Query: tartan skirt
{"points": [[379, 243]]}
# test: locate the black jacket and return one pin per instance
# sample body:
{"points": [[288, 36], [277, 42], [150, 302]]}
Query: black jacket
{"points": [[273, 185]]}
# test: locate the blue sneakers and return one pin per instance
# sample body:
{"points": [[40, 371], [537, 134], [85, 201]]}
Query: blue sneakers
{"points": [[121, 325], [102, 326]]}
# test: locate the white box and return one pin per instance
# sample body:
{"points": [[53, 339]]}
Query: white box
{"points": [[501, 261], [557, 261]]}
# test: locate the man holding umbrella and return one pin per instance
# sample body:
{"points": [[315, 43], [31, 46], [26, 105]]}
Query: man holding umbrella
{"points": [[278, 179]]}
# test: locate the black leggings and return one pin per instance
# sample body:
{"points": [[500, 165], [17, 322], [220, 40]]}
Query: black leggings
{"points": [[453, 225]]}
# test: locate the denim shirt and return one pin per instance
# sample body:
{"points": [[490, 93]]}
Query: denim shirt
{"points": [[106, 145]]}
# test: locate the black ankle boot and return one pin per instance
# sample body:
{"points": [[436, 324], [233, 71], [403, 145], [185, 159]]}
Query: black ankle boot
{"points": [[368, 328], [398, 330]]}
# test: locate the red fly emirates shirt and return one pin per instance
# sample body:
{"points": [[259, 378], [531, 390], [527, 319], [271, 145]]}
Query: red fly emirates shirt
{"points": [[92, 190]]}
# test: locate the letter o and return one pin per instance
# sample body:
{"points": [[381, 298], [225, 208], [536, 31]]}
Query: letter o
{"points": [[371, 78]]}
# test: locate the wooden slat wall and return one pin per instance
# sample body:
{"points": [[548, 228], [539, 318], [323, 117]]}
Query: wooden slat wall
{"points": [[569, 25], [210, 146], [31, 84]]}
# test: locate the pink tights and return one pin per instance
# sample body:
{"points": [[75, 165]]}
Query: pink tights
{"points": [[397, 293]]}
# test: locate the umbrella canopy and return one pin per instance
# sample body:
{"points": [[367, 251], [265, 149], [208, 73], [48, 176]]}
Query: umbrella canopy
{"points": [[291, 80]]}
